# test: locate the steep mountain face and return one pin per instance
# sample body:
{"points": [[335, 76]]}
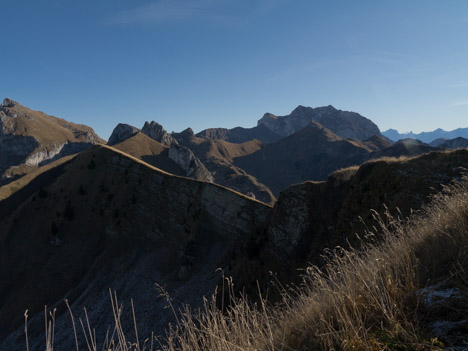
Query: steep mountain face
{"points": [[241, 135], [347, 125], [31, 138], [104, 219], [312, 216], [156, 131], [219, 155], [312, 153], [427, 137]]}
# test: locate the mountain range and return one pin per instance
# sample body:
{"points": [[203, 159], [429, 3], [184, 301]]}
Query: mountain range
{"points": [[171, 208], [427, 137]]}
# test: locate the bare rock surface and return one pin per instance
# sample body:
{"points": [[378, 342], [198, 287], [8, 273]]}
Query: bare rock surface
{"points": [[345, 124], [157, 132], [122, 132]]}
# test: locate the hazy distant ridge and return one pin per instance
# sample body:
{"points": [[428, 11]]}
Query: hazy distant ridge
{"points": [[427, 137]]}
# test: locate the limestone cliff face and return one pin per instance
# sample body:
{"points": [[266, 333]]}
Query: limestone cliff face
{"points": [[122, 132], [347, 125], [33, 138], [181, 155], [157, 132], [193, 167], [105, 219]]}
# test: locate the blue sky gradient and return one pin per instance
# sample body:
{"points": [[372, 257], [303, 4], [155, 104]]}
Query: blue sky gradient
{"points": [[224, 63]]}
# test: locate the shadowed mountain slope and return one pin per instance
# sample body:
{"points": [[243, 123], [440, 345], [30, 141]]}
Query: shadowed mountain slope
{"points": [[406, 147], [105, 219], [312, 153], [241, 135], [312, 216], [456, 143]]}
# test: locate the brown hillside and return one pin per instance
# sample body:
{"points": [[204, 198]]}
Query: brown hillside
{"points": [[218, 156], [312, 216], [150, 151], [21, 120], [312, 153], [107, 220], [32, 138]]}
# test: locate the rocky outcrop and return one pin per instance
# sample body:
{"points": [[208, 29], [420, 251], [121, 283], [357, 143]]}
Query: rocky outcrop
{"points": [[122, 132], [345, 124], [193, 167], [181, 155], [33, 138], [157, 132]]}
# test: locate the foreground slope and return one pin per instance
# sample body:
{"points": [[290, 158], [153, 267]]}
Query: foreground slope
{"points": [[104, 219], [406, 289], [312, 216]]}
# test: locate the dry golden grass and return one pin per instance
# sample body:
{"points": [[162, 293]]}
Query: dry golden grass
{"points": [[366, 299]]}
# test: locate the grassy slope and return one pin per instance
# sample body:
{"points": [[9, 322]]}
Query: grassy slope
{"points": [[218, 156], [363, 300], [150, 151], [366, 299], [44, 128]]}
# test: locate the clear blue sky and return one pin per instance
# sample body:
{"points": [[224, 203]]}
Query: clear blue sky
{"points": [[223, 63]]}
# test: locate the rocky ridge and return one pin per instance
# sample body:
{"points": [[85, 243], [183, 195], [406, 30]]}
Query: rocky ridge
{"points": [[345, 124], [427, 137], [31, 138], [180, 155], [121, 133]]}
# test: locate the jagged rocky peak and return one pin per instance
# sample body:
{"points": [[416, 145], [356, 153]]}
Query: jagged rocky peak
{"points": [[122, 132], [156, 131], [347, 125], [9, 103]]}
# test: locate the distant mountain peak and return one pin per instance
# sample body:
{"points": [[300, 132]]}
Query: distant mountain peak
{"points": [[427, 137], [122, 132], [347, 125]]}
